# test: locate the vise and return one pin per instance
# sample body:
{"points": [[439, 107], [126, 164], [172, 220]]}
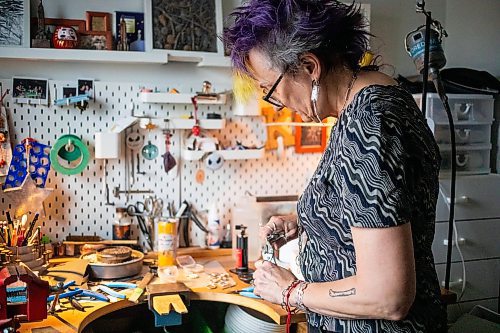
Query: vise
{"points": [[33, 302]]}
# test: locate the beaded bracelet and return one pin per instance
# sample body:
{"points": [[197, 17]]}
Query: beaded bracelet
{"points": [[299, 297]]}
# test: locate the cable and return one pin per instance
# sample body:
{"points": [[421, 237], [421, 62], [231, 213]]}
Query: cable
{"points": [[462, 260]]}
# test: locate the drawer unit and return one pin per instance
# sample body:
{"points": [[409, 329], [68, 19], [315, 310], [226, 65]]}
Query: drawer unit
{"points": [[477, 197], [464, 108], [482, 278], [464, 134], [477, 240], [471, 159]]}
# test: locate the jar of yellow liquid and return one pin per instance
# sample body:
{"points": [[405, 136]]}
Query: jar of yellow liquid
{"points": [[167, 241]]}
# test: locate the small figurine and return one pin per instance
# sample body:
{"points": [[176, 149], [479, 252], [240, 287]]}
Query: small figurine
{"points": [[65, 38], [41, 39], [122, 44]]}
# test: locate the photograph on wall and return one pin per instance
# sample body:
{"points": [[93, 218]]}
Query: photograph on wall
{"points": [[187, 25], [133, 24], [309, 138], [30, 90], [86, 87], [14, 23], [69, 92]]}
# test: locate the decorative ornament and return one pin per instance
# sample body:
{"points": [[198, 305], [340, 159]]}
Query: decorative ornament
{"points": [[65, 38], [135, 141], [25, 198], [196, 130], [214, 161], [150, 151]]}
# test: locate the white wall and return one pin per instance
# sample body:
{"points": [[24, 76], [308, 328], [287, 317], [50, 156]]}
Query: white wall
{"points": [[472, 26]]}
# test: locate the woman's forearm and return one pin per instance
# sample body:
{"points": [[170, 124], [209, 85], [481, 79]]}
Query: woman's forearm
{"points": [[352, 299]]}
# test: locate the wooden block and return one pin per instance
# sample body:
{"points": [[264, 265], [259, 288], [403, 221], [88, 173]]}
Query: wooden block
{"points": [[162, 304]]}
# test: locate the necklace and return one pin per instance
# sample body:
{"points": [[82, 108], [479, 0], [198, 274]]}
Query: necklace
{"points": [[349, 88]]}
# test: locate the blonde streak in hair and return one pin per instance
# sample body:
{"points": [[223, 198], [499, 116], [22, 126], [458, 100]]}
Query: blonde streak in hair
{"points": [[244, 87]]}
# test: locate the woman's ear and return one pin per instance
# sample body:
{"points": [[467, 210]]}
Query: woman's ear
{"points": [[311, 65]]}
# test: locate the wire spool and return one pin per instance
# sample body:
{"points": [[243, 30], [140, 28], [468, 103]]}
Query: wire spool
{"points": [[71, 149], [239, 320]]}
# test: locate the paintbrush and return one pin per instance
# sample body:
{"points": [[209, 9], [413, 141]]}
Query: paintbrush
{"points": [[30, 229]]}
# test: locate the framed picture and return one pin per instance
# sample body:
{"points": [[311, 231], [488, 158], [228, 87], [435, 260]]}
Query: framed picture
{"points": [[30, 90], [96, 40], [69, 92], [191, 25], [134, 25], [98, 21], [15, 23], [309, 139], [86, 87]]}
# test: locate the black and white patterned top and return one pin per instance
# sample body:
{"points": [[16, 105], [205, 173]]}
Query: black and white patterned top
{"points": [[380, 170]]}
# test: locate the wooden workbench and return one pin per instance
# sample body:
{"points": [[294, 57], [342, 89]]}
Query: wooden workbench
{"points": [[71, 320]]}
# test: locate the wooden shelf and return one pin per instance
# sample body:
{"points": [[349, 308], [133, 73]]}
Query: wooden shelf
{"points": [[202, 59]]}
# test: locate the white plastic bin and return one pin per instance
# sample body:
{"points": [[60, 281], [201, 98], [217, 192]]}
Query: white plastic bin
{"points": [[464, 134], [471, 159]]}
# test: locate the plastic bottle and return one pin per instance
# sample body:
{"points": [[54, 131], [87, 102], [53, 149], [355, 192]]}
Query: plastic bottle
{"points": [[167, 241], [213, 228]]}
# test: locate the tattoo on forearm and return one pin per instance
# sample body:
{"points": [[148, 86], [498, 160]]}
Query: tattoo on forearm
{"points": [[349, 292]]}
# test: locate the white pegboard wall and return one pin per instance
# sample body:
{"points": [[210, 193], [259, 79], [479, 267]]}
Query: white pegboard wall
{"points": [[77, 205]]}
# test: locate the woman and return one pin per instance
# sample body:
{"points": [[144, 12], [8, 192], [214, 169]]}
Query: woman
{"points": [[366, 219]]}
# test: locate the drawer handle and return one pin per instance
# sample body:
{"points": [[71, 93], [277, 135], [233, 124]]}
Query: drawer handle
{"points": [[463, 134], [462, 110], [458, 200], [462, 160], [461, 241], [454, 284]]}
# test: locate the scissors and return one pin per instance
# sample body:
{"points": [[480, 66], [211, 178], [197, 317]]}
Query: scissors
{"points": [[247, 292], [153, 206], [137, 210]]}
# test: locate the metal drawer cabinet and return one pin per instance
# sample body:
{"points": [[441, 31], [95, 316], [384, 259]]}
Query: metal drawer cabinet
{"points": [[482, 278], [477, 239], [477, 197]]}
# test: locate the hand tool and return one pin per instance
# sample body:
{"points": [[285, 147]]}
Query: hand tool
{"points": [[76, 304], [93, 294], [137, 210], [139, 290], [247, 292]]}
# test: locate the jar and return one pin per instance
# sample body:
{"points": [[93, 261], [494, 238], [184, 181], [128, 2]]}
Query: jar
{"points": [[167, 241], [121, 228]]}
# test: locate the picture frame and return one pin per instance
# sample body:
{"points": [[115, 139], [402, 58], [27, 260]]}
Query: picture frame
{"points": [[69, 91], [96, 40], [86, 87], [30, 90], [309, 139], [161, 36], [98, 21], [15, 23], [135, 29]]}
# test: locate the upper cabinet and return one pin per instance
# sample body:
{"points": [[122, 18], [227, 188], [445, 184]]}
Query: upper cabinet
{"points": [[115, 31]]}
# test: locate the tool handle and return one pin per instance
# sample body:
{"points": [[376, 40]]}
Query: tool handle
{"points": [[94, 294], [125, 285], [111, 292], [65, 295]]}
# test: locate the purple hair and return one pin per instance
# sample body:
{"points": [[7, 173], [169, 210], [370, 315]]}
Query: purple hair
{"points": [[285, 29]]}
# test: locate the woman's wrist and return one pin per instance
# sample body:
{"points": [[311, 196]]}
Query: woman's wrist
{"points": [[297, 299]]}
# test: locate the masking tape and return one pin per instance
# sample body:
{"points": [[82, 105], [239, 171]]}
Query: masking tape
{"points": [[61, 144]]}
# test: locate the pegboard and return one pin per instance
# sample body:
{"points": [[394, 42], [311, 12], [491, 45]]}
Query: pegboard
{"points": [[78, 205]]}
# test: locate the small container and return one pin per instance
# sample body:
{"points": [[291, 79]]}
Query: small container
{"points": [[121, 228], [167, 241], [168, 274]]}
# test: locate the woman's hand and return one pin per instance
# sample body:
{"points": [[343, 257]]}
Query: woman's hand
{"points": [[270, 280], [285, 223]]}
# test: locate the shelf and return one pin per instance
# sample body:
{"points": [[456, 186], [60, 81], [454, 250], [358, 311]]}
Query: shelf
{"points": [[203, 59], [243, 154], [170, 98], [183, 124]]}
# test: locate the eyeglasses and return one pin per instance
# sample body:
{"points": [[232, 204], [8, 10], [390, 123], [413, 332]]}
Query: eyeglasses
{"points": [[269, 98]]}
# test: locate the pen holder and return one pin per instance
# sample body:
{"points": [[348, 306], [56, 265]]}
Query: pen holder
{"points": [[28, 255]]}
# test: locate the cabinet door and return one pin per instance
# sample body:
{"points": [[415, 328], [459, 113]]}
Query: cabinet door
{"points": [[477, 197], [482, 278], [480, 240]]}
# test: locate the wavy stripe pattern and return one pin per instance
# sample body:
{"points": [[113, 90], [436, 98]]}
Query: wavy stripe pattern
{"points": [[380, 170]]}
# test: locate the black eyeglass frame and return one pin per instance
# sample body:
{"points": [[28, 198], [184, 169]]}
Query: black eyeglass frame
{"points": [[269, 96]]}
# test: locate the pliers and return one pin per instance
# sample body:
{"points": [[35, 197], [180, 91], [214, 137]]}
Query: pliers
{"points": [[247, 292], [106, 287]]}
